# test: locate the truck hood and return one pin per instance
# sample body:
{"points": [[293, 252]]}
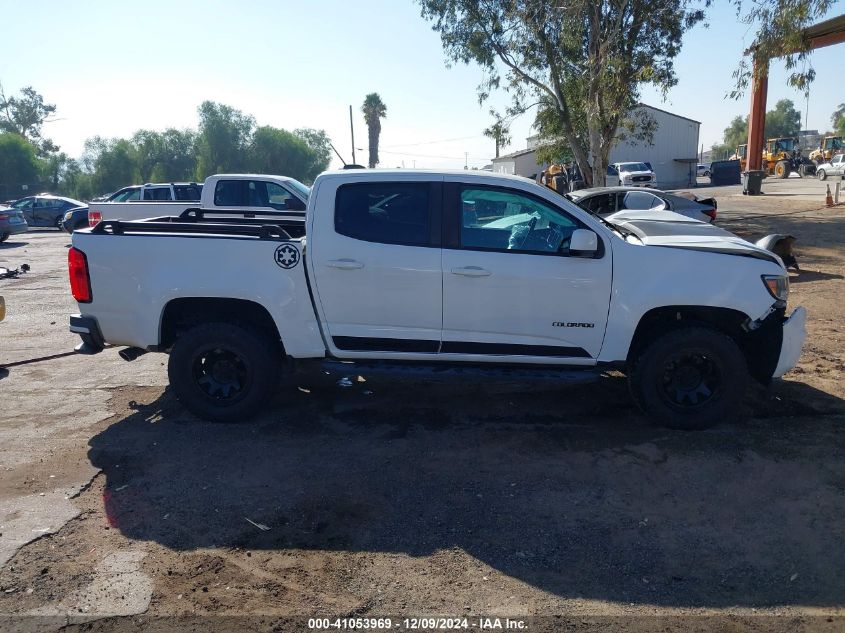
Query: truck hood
{"points": [[667, 229]]}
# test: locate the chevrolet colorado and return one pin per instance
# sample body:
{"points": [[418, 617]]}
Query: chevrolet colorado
{"points": [[432, 270]]}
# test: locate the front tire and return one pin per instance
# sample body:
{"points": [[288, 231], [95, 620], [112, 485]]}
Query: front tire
{"points": [[222, 372], [690, 378]]}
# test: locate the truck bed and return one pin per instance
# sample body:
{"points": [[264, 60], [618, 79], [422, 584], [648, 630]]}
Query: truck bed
{"points": [[138, 267]]}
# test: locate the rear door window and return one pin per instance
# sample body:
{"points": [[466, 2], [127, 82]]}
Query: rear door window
{"points": [[157, 193], [389, 213], [187, 193], [255, 193]]}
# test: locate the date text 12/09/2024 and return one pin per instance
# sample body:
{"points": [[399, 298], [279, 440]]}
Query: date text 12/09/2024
{"points": [[418, 624]]}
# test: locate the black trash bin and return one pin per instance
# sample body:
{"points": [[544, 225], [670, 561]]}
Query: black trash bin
{"points": [[752, 182]]}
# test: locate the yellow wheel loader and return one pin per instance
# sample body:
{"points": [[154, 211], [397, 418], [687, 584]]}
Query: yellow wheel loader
{"points": [[830, 146]]}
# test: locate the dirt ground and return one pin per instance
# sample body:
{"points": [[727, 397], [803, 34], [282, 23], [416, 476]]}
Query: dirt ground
{"points": [[558, 507]]}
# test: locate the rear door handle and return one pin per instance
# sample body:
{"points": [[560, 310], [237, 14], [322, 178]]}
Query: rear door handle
{"points": [[344, 264], [471, 271]]}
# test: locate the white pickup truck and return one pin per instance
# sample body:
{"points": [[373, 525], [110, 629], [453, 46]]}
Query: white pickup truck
{"points": [[398, 269], [250, 192]]}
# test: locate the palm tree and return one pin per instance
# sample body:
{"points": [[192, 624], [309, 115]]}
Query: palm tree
{"points": [[499, 132], [374, 110]]}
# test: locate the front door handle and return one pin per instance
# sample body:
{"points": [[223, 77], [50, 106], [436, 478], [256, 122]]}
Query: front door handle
{"points": [[471, 271], [344, 264]]}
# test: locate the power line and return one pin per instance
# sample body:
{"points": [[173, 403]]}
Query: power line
{"points": [[445, 140], [461, 158]]}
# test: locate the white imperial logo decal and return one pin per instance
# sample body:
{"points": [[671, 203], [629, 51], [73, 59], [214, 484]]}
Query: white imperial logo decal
{"points": [[287, 256]]}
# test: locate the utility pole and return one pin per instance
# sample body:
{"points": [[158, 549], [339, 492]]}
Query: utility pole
{"points": [[807, 112], [352, 131]]}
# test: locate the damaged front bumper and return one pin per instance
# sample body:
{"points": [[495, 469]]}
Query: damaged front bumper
{"points": [[772, 344], [794, 334]]}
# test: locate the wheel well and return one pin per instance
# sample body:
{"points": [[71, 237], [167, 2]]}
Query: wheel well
{"points": [[759, 351], [181, 314]]}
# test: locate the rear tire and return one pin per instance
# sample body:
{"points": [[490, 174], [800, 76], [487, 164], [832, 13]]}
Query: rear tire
{"points": [[821, 174], [782, 169], [4, 236], [58, 223], [690, 378], [222, 372]]}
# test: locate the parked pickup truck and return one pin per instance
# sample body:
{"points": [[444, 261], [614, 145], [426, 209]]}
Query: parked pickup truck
{"points": [[399, 269], [250, 192]]}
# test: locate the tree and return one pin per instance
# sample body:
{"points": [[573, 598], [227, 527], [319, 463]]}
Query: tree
{"points": [[224, 136], [584, 61], [276, 151], [374, 111], [111, 162], [165, 156], [321, 147], [779, 35], [784, 120], [499, 131], [25, 115], [838, 120], [53, 169], [18, 164]]}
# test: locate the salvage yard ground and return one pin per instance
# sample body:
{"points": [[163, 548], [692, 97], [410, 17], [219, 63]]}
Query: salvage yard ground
{"points": [[400, 497]]}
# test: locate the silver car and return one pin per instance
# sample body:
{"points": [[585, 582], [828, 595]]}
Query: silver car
{"points": [[836, 167], [11, 223], [603, 201]]}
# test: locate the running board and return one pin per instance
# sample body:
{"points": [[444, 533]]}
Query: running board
{"points": [[440, 371]]}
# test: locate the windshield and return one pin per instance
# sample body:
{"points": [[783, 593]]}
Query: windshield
{"points": [[301, 189], [785, 144], [633, 167]]}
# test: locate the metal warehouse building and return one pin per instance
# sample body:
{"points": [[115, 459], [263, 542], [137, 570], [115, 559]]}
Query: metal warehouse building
{"points": [[672, 153]]}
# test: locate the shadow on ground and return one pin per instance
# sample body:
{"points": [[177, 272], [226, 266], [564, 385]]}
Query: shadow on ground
{"points": [[569, 490], [12, 243]]}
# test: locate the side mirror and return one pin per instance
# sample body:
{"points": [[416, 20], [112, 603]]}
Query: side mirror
{"points": [[583, 243]]}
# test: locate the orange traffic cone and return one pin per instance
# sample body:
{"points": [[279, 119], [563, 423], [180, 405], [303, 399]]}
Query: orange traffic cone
{"points": [[828, 200]]}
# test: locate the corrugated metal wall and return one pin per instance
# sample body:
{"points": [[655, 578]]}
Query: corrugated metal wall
{"points": [[674, 138]]}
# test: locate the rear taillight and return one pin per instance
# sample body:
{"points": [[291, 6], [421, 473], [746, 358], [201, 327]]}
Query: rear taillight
{"points": [[80, 282], [4, 216], [711, 213], [94, 217]]}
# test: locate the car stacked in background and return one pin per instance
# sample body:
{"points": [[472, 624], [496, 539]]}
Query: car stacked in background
{"points": [[11, 222], [835, 167], [635, 174], [44, 209], [619, 202], [78, 218]]}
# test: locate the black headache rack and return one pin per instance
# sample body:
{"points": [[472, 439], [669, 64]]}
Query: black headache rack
{"points": [[263, 224]]}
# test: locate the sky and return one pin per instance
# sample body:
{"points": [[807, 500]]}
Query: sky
{"points": [[113, 67]]}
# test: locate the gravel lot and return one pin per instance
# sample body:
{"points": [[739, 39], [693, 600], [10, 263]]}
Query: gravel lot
{"points": [[404, 498]]}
